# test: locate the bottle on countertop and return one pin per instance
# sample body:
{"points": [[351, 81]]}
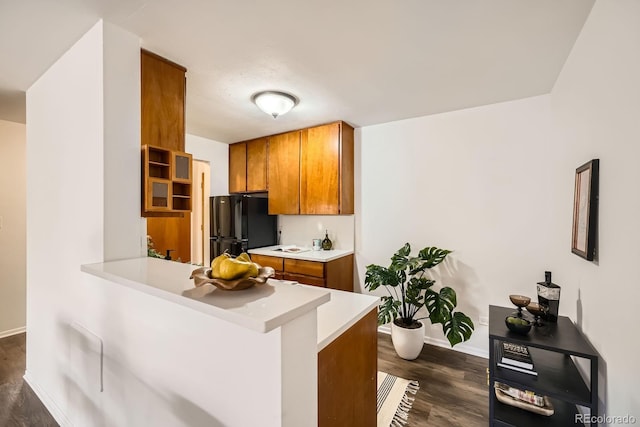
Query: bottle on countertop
{"points": [[326, 243]]}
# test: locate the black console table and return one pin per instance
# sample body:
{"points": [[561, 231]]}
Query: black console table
{"points": [[551, 346]]}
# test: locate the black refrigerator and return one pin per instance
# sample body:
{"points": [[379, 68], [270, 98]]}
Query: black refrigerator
{"points": [[239, 223]]}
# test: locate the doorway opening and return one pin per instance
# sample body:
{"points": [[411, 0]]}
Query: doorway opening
{"points": [[200, 212]]}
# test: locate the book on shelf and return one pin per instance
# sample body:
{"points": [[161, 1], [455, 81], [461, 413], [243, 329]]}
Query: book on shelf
{"points": [[516, 355], [518, 369]]}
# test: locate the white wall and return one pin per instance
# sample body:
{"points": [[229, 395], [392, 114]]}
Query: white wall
{"points": [[71, 138], [596, 108], [300, 230], [13, 204], [476, 181], [217, 154], [124, 235], [495, 184]]}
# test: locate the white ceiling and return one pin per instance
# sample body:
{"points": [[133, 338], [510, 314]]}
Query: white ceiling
{"points": [[362, 61]]}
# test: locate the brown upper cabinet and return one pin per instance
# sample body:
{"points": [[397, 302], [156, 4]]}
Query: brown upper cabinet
{"points": [[248, 166], [308, 171], [284, 174], [326, 170], [163, 102], [238, 167], [311, 171]]}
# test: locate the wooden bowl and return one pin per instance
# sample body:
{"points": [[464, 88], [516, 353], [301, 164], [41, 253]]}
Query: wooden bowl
{"points": [[520, 300], [535, 309], [203, 275]]}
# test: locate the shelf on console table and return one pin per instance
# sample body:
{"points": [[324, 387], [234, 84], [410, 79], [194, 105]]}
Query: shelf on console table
{"points": [[551, 346]]}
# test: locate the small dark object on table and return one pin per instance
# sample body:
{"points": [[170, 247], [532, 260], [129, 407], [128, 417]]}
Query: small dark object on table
{"points": [[518, 325]]}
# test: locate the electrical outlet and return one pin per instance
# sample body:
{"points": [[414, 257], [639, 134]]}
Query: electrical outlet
{"points": [[483, 320], [0, 222]]}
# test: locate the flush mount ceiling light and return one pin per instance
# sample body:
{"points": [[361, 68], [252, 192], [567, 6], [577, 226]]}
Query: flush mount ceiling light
{"points": [[274, 103]]}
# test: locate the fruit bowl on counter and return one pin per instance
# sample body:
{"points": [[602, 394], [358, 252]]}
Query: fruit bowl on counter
{"points": [[232, 274]]}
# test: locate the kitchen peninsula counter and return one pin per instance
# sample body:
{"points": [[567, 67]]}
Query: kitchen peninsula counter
{"points": [[203, 345], [261, 308]]}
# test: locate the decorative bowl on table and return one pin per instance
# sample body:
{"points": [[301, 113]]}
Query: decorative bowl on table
{"points": [[520, 300], [516, 321], [538, 311], [202, 276], [519, 325]]}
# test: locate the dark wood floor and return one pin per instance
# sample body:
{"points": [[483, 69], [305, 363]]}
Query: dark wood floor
{"points": [[453, 385], [19, 405]]}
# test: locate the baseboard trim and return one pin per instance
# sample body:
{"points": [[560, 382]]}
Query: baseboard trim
{"points": [[11, 332], [47, 401], [462, 347]]}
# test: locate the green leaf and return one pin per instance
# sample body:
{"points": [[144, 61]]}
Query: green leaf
{"points": [[440, 305], [433, 256], [414, 296], [388, 310], [415, 266], [421, 283], [402, 276], [458, 328], [400, 259], [377, 276]]}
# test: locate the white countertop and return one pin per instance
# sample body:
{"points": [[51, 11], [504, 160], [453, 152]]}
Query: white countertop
{"points": [[261, 308], [342, 312], [305, 254]]}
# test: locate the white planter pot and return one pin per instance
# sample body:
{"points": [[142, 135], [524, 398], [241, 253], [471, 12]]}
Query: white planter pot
{"points": [[407, 342]]}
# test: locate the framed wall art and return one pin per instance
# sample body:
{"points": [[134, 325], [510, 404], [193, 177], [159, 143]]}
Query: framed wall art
{"points": [[585, 210]]}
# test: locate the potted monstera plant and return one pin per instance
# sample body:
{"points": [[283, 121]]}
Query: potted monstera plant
{"points": [[409, 290]]}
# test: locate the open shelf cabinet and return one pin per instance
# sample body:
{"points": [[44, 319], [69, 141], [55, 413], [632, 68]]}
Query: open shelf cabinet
{"points": [[166, 181], [554, 347]]}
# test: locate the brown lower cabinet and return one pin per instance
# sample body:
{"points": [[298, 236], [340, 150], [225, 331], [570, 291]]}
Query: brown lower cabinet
{"points": [[347, 376], [335, 274]]}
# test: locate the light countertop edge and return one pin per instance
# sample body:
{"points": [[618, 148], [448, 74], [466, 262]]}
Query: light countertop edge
{"points": [[307, 255], [168, 280], [343, 311]]}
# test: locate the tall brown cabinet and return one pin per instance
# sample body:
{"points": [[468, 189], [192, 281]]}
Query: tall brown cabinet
{"points": [[163, 93], [163, 102], [284, 173], [326, 170]]}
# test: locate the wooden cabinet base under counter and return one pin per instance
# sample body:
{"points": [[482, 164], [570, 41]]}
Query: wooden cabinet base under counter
{"points": [[347, 376], [334, 274]]}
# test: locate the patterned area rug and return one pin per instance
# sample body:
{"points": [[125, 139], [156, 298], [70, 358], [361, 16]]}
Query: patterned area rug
{"points": [[394, 402]]}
